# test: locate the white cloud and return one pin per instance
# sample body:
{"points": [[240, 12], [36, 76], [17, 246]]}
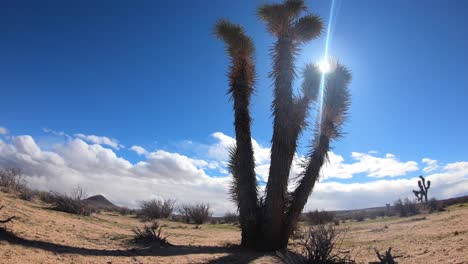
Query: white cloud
{"points": [[100, 171], [164, 174], [3, 130], [139, 150], [371, 165], [431, 165], [113, 143]]}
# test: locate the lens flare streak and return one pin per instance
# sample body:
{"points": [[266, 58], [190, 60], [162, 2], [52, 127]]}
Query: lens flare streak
{"points": [[325, 62]]}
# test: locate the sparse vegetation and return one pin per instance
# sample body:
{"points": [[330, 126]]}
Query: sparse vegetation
{"points": [[405, 207], [386, 258], [319, 217], [27, 194], [230, 217], [156, 209], [11, 180], [149, 235], [319, 246], [433, 205], [46, 197], [195, 213], [71, 203]]}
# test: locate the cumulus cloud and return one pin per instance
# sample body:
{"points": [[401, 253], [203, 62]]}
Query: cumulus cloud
{"points": [[431, 165], [165, 174], [3, 130], [372, 166], [111, 142], [100, 171], [139, 150]]}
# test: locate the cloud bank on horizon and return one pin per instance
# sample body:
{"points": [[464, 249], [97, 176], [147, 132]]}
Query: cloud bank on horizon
{"points": [[92, 162]]}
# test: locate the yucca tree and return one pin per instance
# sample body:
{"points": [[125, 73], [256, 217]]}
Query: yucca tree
{"points": [[268, 218]]}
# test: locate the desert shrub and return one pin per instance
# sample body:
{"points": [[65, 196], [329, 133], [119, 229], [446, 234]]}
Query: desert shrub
{"points": [[386, 258], [11, 180], [46, 197], [27, 194], [230, 217], [73, 204], [125, 211], [197, 213], [433, 205], [318, 245], [156, 209], [359, 216], [319, 217], [149, 235], [405, 207]]}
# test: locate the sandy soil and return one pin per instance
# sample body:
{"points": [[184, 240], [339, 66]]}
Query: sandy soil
{"points": [[41, 235]]}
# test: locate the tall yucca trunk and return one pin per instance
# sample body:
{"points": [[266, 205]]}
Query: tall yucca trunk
{"points": [[283, 140], [242, 163], [241, 85]]}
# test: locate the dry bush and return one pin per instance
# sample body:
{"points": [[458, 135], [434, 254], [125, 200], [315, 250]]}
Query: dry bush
{"points": [[27, 194], [149, 235], [197, 213], [319, 217], [359, 216], [156, 209], [405, 207], [433, 205], [319, 246], [386, 258], [12, 180], [73, 204], [46, 197], [230, 217], [126, 211]]}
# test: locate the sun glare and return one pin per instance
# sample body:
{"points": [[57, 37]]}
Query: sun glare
{"points": [[325, 66]]}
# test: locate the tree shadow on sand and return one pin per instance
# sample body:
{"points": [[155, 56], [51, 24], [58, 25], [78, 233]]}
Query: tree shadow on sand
{"points": [[235, 254]]}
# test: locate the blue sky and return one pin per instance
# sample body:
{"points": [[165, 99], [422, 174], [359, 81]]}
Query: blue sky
{"points": [[151, 74]]}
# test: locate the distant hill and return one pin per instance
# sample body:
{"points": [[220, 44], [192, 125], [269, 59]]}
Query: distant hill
{"points": [[101, 202]]}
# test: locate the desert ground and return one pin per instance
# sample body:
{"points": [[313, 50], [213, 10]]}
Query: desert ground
{"points": [[42, 235]]}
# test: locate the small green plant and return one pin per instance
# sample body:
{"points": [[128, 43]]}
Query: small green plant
{"points": [[150, 235]]}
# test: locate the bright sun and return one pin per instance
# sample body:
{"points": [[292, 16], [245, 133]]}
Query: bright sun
{"points": [[325, 66]]}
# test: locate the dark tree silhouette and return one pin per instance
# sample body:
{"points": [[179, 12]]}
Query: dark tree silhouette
{"points": [[423, 189], [268, 219]]}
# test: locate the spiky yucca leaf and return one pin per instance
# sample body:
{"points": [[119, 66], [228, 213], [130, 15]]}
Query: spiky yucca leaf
{"points": [[234, 186], [311, 81], [279, 17], [336, 101], [235, 38], [307, 28]]}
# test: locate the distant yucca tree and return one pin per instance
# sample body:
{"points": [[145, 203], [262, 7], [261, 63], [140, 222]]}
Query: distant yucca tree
{"points": [[268, 219]]}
